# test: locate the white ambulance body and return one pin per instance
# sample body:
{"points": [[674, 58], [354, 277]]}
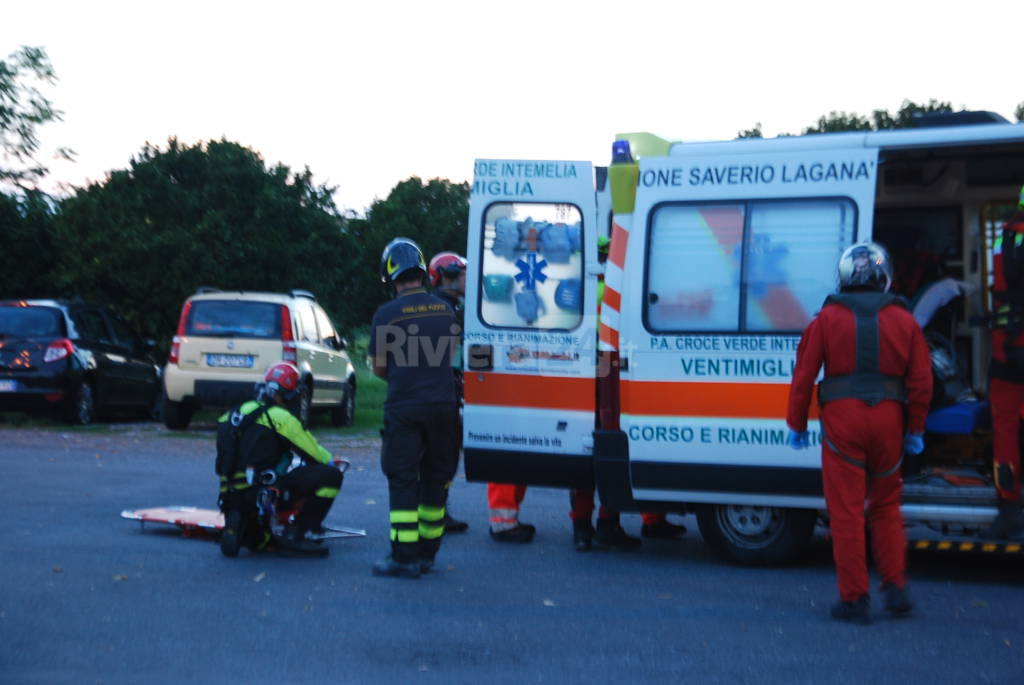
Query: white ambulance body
{"points": [[721, 253]]}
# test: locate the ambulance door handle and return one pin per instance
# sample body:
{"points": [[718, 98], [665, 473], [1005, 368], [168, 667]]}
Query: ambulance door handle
{"points": [[653, 298], [481, 357]]}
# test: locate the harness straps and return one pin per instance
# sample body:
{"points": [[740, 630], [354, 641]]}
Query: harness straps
{"points": [[867, 382], [239, 423]]}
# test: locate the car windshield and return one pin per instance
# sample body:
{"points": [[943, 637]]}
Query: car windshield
{"points": [[30, 322], [227, 319]]}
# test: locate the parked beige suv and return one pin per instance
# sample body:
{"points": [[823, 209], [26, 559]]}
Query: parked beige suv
{"points": [[226, 341]]}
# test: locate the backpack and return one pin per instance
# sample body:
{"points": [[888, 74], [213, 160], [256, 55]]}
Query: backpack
{"points": [[229, 438]]}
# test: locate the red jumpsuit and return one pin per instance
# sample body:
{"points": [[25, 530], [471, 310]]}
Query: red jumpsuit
{"points": [[862, 443], [1006, 387]]}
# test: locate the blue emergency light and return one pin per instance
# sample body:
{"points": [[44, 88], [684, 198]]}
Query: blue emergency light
{"points": [[621, 153]]}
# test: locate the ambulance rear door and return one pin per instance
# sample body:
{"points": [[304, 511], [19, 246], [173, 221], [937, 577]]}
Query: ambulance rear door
{"points": [[730, 257], [530, 339]]}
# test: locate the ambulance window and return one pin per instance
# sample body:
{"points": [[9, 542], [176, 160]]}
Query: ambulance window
{"points": [[750, 266], [532, 267], [694, 267], [790, 260]]}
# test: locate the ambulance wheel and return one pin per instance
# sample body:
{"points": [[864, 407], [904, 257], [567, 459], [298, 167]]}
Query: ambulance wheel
{"points": [[755, 535]]}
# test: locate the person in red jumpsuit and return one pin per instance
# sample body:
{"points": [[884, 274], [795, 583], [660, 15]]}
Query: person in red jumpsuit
{"points": [[1006, 374], [874, 397]]}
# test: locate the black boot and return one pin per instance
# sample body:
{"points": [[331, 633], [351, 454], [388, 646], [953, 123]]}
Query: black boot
{"points": [[610, 534], [397, 569], [582, 535], [897, 601], [523, 532], [295, 543], [452, 525], [233, 534], [1009, 524], [855, 612]]}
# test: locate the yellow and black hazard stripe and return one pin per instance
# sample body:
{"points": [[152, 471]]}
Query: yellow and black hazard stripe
{"points": [[979, 547]]}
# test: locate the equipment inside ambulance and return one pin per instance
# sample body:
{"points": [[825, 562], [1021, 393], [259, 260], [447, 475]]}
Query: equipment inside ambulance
{"points": [[720, 254]]}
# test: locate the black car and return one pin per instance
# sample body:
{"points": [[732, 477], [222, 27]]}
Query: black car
{"points": [[75, 358]]}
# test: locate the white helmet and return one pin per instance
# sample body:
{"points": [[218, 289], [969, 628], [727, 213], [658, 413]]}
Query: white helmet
{"points": [[864, 265]]}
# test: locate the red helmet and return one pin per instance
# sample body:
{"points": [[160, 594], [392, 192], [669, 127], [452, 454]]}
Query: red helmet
{"points": [[282, 377], [446, 264]]}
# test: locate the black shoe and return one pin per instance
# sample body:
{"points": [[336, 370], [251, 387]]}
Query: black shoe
{"points": [[454, 525], [233, 533], [523, 532], [614, 536], [582, 535], [897, 601], [426, 565], [664, 530], [295, 543], [1009, 524], [855, 612], [396, 569]]}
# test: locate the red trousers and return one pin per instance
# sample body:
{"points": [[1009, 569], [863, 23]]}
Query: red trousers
{"points": [[860, 458], [1006, 399], [582, 503], [503, 500]]}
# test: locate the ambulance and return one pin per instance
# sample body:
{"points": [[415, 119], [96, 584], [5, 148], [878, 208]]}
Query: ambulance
{"points": [[674, 396]]}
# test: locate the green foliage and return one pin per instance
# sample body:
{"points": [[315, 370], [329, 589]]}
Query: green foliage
{"points": [[880, 119], [751, 132], [434, 214], [23, 108], [26, 226], [209, 214], [839, 121], [1019, 112]]}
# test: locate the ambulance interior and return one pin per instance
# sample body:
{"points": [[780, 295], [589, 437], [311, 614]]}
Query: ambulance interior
{"points": [[938, 212]]}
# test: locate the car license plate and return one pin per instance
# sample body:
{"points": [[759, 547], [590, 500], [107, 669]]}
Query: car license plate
{"points": [[8, 386], [237, 361]]}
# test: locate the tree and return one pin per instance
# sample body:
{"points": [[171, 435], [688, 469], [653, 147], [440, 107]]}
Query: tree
{"points": [[839, 121], [1019, 112], [208, 214], [434, 214], [26, 227], [751, 132], [880, 119], [22, 109]]}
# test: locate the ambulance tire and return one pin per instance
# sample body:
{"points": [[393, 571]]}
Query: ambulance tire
{"points": [[756, 535]]}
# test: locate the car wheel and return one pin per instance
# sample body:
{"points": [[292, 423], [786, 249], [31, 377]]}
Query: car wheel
{"points": [[177, 415], [81, 409], [344, 414], [304, 404], [755, 535]]}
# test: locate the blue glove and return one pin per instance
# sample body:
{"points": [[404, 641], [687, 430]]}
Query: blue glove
{"points": [[913, 443], [798, 440]]}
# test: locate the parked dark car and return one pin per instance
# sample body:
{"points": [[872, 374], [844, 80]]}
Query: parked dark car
{"points": [[75, 358]]}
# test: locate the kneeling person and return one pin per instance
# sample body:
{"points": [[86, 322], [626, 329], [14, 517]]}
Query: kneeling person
{"points": [[259, 438]]}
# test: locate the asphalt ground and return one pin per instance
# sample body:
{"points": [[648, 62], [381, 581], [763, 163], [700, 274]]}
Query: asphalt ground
{"points": [[88, 597]]}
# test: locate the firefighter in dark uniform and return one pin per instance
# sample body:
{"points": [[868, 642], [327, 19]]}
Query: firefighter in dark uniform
{"points": [[875, 398], [447, 272], [270, 433], [411, 342]]}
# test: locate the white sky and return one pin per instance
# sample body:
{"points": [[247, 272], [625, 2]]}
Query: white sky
{"points": [[367, 94]]}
